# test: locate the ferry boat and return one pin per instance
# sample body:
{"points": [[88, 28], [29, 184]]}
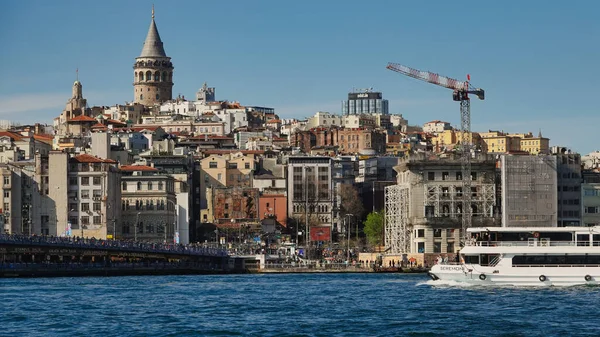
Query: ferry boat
{"points": [[526, 256]]}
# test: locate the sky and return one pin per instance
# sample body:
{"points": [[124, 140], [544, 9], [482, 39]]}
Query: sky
{"points": [[536, 60]]}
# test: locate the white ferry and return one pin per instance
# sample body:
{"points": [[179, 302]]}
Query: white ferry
{"points": [[528, 256]]}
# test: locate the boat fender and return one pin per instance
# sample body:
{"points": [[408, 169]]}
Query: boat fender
{"points": [[482, 277], [536, 235], [588, 278], [542, 278]]}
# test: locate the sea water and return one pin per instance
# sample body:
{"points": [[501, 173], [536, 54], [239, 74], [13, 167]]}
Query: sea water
{"points": [[290, 305]]}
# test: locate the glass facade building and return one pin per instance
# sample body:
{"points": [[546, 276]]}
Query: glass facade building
{"points": [[365, 103]]}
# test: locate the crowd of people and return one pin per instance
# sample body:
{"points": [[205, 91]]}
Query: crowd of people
{"points": [[125, 245]]}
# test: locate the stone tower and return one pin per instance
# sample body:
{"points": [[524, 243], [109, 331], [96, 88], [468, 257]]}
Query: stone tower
{"points": [[152, 71]]}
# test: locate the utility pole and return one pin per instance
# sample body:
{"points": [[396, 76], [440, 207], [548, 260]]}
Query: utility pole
{"points": [[114, 229]]}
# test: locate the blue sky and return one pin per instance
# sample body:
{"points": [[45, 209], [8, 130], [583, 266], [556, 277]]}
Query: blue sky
{"points": [[537, 60]]}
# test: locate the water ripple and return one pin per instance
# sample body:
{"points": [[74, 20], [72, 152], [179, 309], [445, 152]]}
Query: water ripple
{"points": [[289, 305]]}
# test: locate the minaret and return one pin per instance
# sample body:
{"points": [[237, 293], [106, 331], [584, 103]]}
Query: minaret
{"points": [[153, 71]]}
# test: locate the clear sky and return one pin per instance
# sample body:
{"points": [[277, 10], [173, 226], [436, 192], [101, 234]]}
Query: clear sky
{"points": [[537, 60]]}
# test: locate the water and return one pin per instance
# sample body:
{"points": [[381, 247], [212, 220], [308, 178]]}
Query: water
{"points": [[290, 305]]}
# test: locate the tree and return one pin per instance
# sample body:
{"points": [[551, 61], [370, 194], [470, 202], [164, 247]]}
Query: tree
{"points": [[350, 202], [374, 228]]}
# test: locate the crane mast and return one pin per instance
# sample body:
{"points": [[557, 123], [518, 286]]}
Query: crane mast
{"points": [[460, 94]]}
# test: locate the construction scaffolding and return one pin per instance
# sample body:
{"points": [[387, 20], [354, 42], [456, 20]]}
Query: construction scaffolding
{"points": [[448, 200], [397, 229]]}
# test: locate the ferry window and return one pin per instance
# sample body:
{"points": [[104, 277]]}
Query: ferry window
{"points": [[583, 239], [420, 233], [421, 247], [471, 259]]}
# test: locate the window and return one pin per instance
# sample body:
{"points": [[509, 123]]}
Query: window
{"points": [[437, 247], [85, 220], [458, 175], [96, 180], [85, 194], [85, 180], [85, 207], [124, 186], [97, 219], [421, 247], [420, 233], [72, 181], [232, 165], [445, 175], [430, 175], [212, 164], [139, 186], [437, 233], [160, 186], [72, 207], [149, 186], [97, 207], [6, 180], [247, 165], [7, 194], [450, 247], [97, 193]]}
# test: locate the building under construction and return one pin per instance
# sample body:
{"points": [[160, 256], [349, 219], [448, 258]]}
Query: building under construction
{"points": [[423, 212]]}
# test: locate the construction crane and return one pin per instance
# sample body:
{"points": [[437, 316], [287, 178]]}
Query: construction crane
{"points": [[461, 91]]}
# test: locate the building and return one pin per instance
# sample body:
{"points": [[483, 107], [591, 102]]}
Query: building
{"points": [[590, 199], [365, 102], [310, 191], [148, 205], [423, 211], [86, 194], [436, 126], [152, 71], [323, 119], [529, 191], [569, 181]]}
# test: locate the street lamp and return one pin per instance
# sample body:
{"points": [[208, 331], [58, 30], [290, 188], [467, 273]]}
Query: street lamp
{"points": [[137, 222], [348, 243]]}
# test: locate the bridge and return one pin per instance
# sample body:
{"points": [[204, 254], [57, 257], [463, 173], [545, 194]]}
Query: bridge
{"points": [[45, 256]]}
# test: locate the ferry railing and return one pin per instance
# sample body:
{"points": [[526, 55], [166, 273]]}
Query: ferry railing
{"points": [[521, 243]]}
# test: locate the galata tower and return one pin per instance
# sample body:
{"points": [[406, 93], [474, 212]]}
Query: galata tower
{"points": [[152, 71]]}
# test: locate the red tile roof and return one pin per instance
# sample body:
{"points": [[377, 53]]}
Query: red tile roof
{"points": [[138, 168], [115, 122], [274, 121], [98, 126], [86, 158], [12, 135], [82, 118]]}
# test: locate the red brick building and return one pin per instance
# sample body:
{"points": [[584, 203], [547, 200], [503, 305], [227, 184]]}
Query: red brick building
{"points": [[348, 140], [273, 206]]}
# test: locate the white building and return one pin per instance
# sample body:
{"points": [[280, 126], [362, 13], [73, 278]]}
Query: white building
{"points": [[436, 126]]}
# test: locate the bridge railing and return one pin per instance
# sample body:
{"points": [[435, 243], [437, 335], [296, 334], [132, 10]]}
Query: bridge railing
{"points": [[75, 242]]}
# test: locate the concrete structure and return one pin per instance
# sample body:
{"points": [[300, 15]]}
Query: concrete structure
{"points": [[529, 191], [423, 211], [152, 71], [148, 204]]}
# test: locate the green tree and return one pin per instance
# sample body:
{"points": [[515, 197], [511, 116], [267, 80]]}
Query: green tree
{"points": [[374, 228]]}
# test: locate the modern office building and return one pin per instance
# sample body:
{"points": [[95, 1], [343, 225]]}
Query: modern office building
{"points": [[365, 102]]}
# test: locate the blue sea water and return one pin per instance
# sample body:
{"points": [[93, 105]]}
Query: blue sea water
{"points": [[290, 305]]}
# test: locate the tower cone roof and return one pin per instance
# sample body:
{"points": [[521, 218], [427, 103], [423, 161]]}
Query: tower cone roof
{"points": [[153, 46]]}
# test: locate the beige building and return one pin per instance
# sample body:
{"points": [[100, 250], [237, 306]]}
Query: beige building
{"points": [[148, 204], [591, 204], [152, 71]]}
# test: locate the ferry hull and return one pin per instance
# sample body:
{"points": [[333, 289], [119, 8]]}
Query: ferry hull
{"points": [[533, 276]]}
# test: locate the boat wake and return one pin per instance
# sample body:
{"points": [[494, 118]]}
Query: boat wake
{"points": [[443, 283]]}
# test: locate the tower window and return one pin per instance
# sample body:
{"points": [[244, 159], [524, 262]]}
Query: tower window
{"points": [[148, 75]]}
